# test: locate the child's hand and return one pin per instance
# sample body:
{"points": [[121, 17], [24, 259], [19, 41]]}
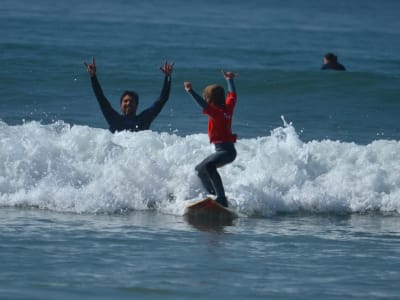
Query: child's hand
{"points": [[228, 74], [187, 85]]}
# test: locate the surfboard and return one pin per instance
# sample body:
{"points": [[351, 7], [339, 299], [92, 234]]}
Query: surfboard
{"points": [[208, 208]]}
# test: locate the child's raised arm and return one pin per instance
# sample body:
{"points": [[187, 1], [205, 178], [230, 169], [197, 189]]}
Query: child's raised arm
{"points": [[229, 80], [187, 85], [200, 101]]}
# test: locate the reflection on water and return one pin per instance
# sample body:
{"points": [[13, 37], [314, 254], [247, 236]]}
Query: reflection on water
{"points": [[209, 224]]}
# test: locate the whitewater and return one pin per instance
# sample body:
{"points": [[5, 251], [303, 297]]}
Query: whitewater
{"points": [[80, 169]]}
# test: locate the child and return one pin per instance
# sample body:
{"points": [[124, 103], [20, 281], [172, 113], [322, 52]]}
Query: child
{"points": [[219, 110]]}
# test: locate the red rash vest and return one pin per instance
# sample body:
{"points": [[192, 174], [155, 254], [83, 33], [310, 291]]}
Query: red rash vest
{"points": [[220, 121]]}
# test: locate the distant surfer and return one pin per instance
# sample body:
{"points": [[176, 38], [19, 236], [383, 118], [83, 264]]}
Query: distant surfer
{"points": [[129, 102], [219, 109], [331, 63]]}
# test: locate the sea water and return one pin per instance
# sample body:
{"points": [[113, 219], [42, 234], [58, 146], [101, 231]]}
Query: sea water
{"points": [[87, 214]]}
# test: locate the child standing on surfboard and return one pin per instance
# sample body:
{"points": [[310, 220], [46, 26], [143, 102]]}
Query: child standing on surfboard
{"points": [[219, 109]]}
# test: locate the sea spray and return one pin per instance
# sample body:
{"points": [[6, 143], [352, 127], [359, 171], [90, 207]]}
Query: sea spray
{"points": [[88, 170]]}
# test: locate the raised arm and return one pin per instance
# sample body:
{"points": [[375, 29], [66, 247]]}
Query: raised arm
{"points": [[200, 101], [229, 80], [167, 69], [105, 106]]}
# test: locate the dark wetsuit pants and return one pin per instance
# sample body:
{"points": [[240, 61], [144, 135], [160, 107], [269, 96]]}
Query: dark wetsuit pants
{"points": [[207, 169]]}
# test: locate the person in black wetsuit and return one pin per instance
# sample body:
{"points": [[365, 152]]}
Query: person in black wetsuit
{"points": [[331, 63], [129, 101]]}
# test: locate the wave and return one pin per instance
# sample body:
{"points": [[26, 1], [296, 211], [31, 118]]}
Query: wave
{"points": [[81, 169]]}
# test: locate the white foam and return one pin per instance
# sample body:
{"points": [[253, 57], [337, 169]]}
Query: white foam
{"points": [[82, 169]]}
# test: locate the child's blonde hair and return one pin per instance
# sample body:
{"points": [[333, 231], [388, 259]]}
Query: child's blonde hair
{"points": [[214, 94]]}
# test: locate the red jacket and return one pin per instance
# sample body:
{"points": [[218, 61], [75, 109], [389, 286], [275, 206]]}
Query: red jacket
{"points": [[220, 121]]}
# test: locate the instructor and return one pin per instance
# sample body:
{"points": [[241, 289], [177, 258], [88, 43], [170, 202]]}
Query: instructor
{"points": [[129, 102]]}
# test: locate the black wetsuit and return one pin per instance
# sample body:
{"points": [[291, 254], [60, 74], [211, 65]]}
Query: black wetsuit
{"points": [[142, 121], [333, 66]]}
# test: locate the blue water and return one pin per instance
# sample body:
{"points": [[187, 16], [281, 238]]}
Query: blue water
{"points": [[87, 214]]}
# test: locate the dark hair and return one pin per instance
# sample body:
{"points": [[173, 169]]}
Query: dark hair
{"points": [[331, 57], [215, 94], [133, 94]]}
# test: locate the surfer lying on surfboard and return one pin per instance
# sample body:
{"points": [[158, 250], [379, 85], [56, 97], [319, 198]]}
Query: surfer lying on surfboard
{"points": [[219, 109]]}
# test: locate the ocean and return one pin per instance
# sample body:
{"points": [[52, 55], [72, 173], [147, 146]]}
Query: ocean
{"points": [[87, 214]]}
